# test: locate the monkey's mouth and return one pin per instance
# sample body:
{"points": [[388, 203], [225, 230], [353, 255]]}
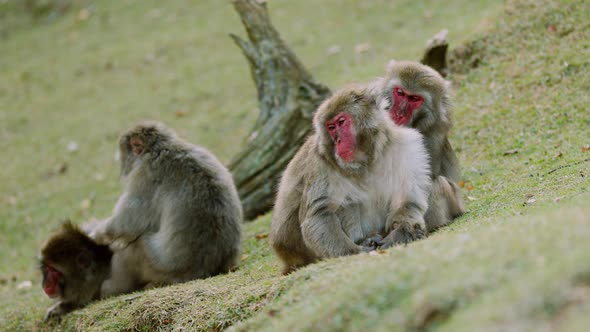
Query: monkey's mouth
{"points": [[346, 156], [401, 118]]}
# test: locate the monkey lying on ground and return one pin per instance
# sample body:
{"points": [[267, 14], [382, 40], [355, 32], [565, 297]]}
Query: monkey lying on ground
{"points": [[359, 175], [179, 217], [73, 268], [415, 95]]}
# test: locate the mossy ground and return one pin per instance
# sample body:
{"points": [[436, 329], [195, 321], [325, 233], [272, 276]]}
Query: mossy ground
{"points": [[519, 260]]}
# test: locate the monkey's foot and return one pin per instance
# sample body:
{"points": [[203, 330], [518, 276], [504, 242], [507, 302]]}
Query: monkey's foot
{"points": [[403, 234], [372, 241]]}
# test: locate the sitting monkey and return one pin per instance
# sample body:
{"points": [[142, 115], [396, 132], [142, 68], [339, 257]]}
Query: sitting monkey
{"points": [[358, 182]]}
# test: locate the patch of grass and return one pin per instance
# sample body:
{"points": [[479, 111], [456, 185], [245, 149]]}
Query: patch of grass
{"points": [[516, 261]]}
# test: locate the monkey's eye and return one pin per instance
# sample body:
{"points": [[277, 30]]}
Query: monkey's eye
{"points": [[331, 127], [399, 92], [341, 121], [414, 98]]}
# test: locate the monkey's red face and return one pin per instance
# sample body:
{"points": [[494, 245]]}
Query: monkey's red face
{"points": [[341, 131], [404, 105], [52, 281]]}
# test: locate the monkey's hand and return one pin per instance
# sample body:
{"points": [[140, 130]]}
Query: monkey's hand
{"points": [[57, 310], [403, 234], [118, 244], [101, 235]]}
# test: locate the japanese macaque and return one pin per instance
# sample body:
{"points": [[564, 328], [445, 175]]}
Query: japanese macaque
{"points": [[358, 182], [415, 95], [179, 217], [73, 267]]}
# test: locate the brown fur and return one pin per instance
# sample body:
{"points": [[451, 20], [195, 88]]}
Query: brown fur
{"points": [[64, 251]]}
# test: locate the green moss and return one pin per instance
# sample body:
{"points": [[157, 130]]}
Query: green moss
{"points": [[515, 261]]}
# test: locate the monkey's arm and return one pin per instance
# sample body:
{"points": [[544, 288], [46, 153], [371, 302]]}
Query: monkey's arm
{"points": [[128, 222], [322, 231], [449, 164]]}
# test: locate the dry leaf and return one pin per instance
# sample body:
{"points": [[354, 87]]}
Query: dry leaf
{"points": [[85, 205], [244, 257], [557, 199], [471, 198], [261, 236], [586, 148], [470, 187], [62, 168], [83, 14], [180, 113], [362, 48], [559, 155], [530, 201], [528, 195], [377, 251], [509, 152], [461, 184]]}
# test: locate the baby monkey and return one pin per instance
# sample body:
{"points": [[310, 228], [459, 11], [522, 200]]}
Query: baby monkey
{"points": [[73, 268], [357, 176]]}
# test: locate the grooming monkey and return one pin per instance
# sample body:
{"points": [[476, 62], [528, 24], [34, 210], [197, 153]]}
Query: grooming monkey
{"points": [[179, 217], [356, 178], [73, 268], [416, 96]]}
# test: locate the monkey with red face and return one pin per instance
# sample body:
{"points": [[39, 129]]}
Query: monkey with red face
{"points": [[358, 182], [416, 96], [73, 268]]}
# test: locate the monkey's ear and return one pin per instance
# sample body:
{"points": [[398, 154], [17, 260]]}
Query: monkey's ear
{"points": [[390, 65], [84, 260]]}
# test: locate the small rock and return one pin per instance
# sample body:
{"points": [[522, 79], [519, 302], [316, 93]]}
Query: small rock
{"points": [[72, 146], [334, 49], [24, 284]]}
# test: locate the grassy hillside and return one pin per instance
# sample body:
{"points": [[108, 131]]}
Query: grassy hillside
{"points": [[519, 260]]}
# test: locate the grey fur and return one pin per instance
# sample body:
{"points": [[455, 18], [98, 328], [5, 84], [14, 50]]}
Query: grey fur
{"points": [[179, 218], [434, 120]]}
